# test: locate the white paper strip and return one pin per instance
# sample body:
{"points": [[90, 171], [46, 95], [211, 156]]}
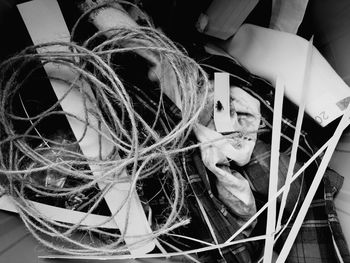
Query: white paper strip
{"points": [[275, 154], [45, 23], [293, 155]]}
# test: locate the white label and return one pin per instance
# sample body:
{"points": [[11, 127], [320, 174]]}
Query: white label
{"points": [[222, 118]]}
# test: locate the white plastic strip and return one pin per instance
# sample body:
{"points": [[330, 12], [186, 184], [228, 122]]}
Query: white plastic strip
{"points": [[293, 156], [275, 153]]}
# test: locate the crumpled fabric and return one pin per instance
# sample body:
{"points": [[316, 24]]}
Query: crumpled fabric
{"points": [[233, 189]]}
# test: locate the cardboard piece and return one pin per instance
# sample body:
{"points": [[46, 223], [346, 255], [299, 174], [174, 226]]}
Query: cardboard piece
{"points": [[269, 53], [287, 15], [226, 16]]}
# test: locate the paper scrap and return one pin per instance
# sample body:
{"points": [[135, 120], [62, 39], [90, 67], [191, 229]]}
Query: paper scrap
{"points": [[222, 117]]}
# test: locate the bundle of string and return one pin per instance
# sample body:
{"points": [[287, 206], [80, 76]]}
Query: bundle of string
{"points": [[33, 163]]}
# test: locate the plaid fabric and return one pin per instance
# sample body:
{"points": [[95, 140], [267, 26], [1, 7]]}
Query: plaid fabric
{"points": [[223, 223], [258, 171], [315, 239], [332, 184], [321, 229], [314, 242]]}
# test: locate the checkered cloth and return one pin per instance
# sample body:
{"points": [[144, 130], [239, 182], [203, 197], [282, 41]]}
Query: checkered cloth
{"points": [[320, 230], [224, 223]]}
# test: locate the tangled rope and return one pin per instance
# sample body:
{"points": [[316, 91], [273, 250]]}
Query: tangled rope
{"points": [[35, 165]]}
